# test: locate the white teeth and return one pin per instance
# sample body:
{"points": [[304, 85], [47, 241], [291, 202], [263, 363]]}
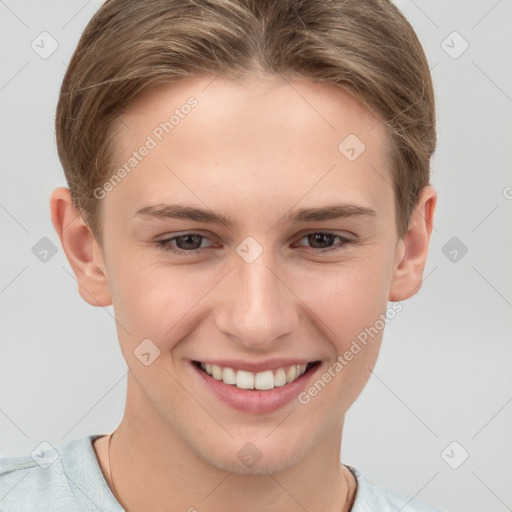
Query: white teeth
{"points": [[291, 375], [268, 379], [216, 372], [229, 376], [244, 380], [264, 380], [280, 378]]}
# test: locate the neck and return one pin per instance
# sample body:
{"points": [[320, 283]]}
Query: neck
{"points": [[151, 465]]}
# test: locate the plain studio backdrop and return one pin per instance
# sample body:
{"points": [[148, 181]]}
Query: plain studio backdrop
{"points": [[434, 420]]}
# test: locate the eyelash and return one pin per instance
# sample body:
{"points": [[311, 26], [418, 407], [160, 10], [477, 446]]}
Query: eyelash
{"points": [[165, 244]]}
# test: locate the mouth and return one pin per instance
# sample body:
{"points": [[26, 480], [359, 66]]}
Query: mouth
{"points": [[255, 392], [262, 381]]}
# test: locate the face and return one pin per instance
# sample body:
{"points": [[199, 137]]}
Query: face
{"points": [[249, 238]]}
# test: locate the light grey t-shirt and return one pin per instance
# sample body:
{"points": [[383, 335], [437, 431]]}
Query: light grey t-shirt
{"points": [[68, 478]]}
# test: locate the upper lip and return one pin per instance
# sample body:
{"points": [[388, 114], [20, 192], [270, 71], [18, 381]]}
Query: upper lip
{"points": [[253, 366]]}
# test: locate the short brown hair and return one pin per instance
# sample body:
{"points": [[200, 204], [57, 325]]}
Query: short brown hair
{"points": [[365, 46]]}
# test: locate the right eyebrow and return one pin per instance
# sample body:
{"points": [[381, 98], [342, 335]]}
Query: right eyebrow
{"points": [[182, 212]]}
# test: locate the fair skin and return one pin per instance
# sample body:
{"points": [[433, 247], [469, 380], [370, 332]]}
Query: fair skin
{"points": [[255, 152]]}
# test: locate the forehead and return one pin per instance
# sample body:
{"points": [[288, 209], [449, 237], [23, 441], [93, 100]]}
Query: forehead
{"points": [[271, 101], [272, 139]]}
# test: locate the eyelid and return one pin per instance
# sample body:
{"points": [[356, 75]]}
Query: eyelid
{"points": [[165, 243], [339, 246], [324, 232], [297, 236], [178, 234], [327, 231]]}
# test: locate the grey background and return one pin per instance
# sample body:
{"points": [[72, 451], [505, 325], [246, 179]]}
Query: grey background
{"points": [[443, 374]]}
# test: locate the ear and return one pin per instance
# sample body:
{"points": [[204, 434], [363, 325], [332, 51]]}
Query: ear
{"points": [[81, 249], [408, 272]]}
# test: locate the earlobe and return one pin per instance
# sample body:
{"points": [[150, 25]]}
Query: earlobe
{"points": [[408, 272], [81, 249]]}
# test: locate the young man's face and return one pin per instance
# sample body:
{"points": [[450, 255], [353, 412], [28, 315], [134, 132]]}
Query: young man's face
{"points": [[258, 294]]}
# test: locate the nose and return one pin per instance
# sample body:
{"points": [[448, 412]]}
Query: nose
{"points": [[258, 307]]}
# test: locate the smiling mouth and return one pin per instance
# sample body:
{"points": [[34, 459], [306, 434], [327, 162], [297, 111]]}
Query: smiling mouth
{"points": [[263, 381]]}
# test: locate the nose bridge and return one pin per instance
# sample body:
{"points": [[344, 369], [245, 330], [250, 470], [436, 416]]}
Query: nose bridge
{"points": [[258, 308]]}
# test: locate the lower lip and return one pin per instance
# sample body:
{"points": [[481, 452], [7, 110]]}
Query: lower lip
{"points": [[254, 400]]}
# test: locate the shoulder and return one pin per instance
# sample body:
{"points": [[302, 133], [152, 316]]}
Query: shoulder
{"points": [[62, 478], [33, 481], [370, 497]]}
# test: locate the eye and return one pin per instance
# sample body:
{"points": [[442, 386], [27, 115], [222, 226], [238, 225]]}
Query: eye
{"points": [[192, 243], [322, 241], [188, 243]]}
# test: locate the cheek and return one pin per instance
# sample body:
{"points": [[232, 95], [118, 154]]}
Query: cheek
{"points": [[347, 308], [347, 305], [344, 298], [156, 301]]}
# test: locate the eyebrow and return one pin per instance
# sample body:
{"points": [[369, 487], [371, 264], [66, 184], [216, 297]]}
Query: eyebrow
{"points": [[183, 212]]}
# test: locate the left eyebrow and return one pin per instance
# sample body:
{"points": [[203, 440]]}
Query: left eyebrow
{"points": [[183, 212], [334, 211]]}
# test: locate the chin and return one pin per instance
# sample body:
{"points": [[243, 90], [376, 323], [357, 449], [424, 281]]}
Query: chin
{"points": [[267, 461]]}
